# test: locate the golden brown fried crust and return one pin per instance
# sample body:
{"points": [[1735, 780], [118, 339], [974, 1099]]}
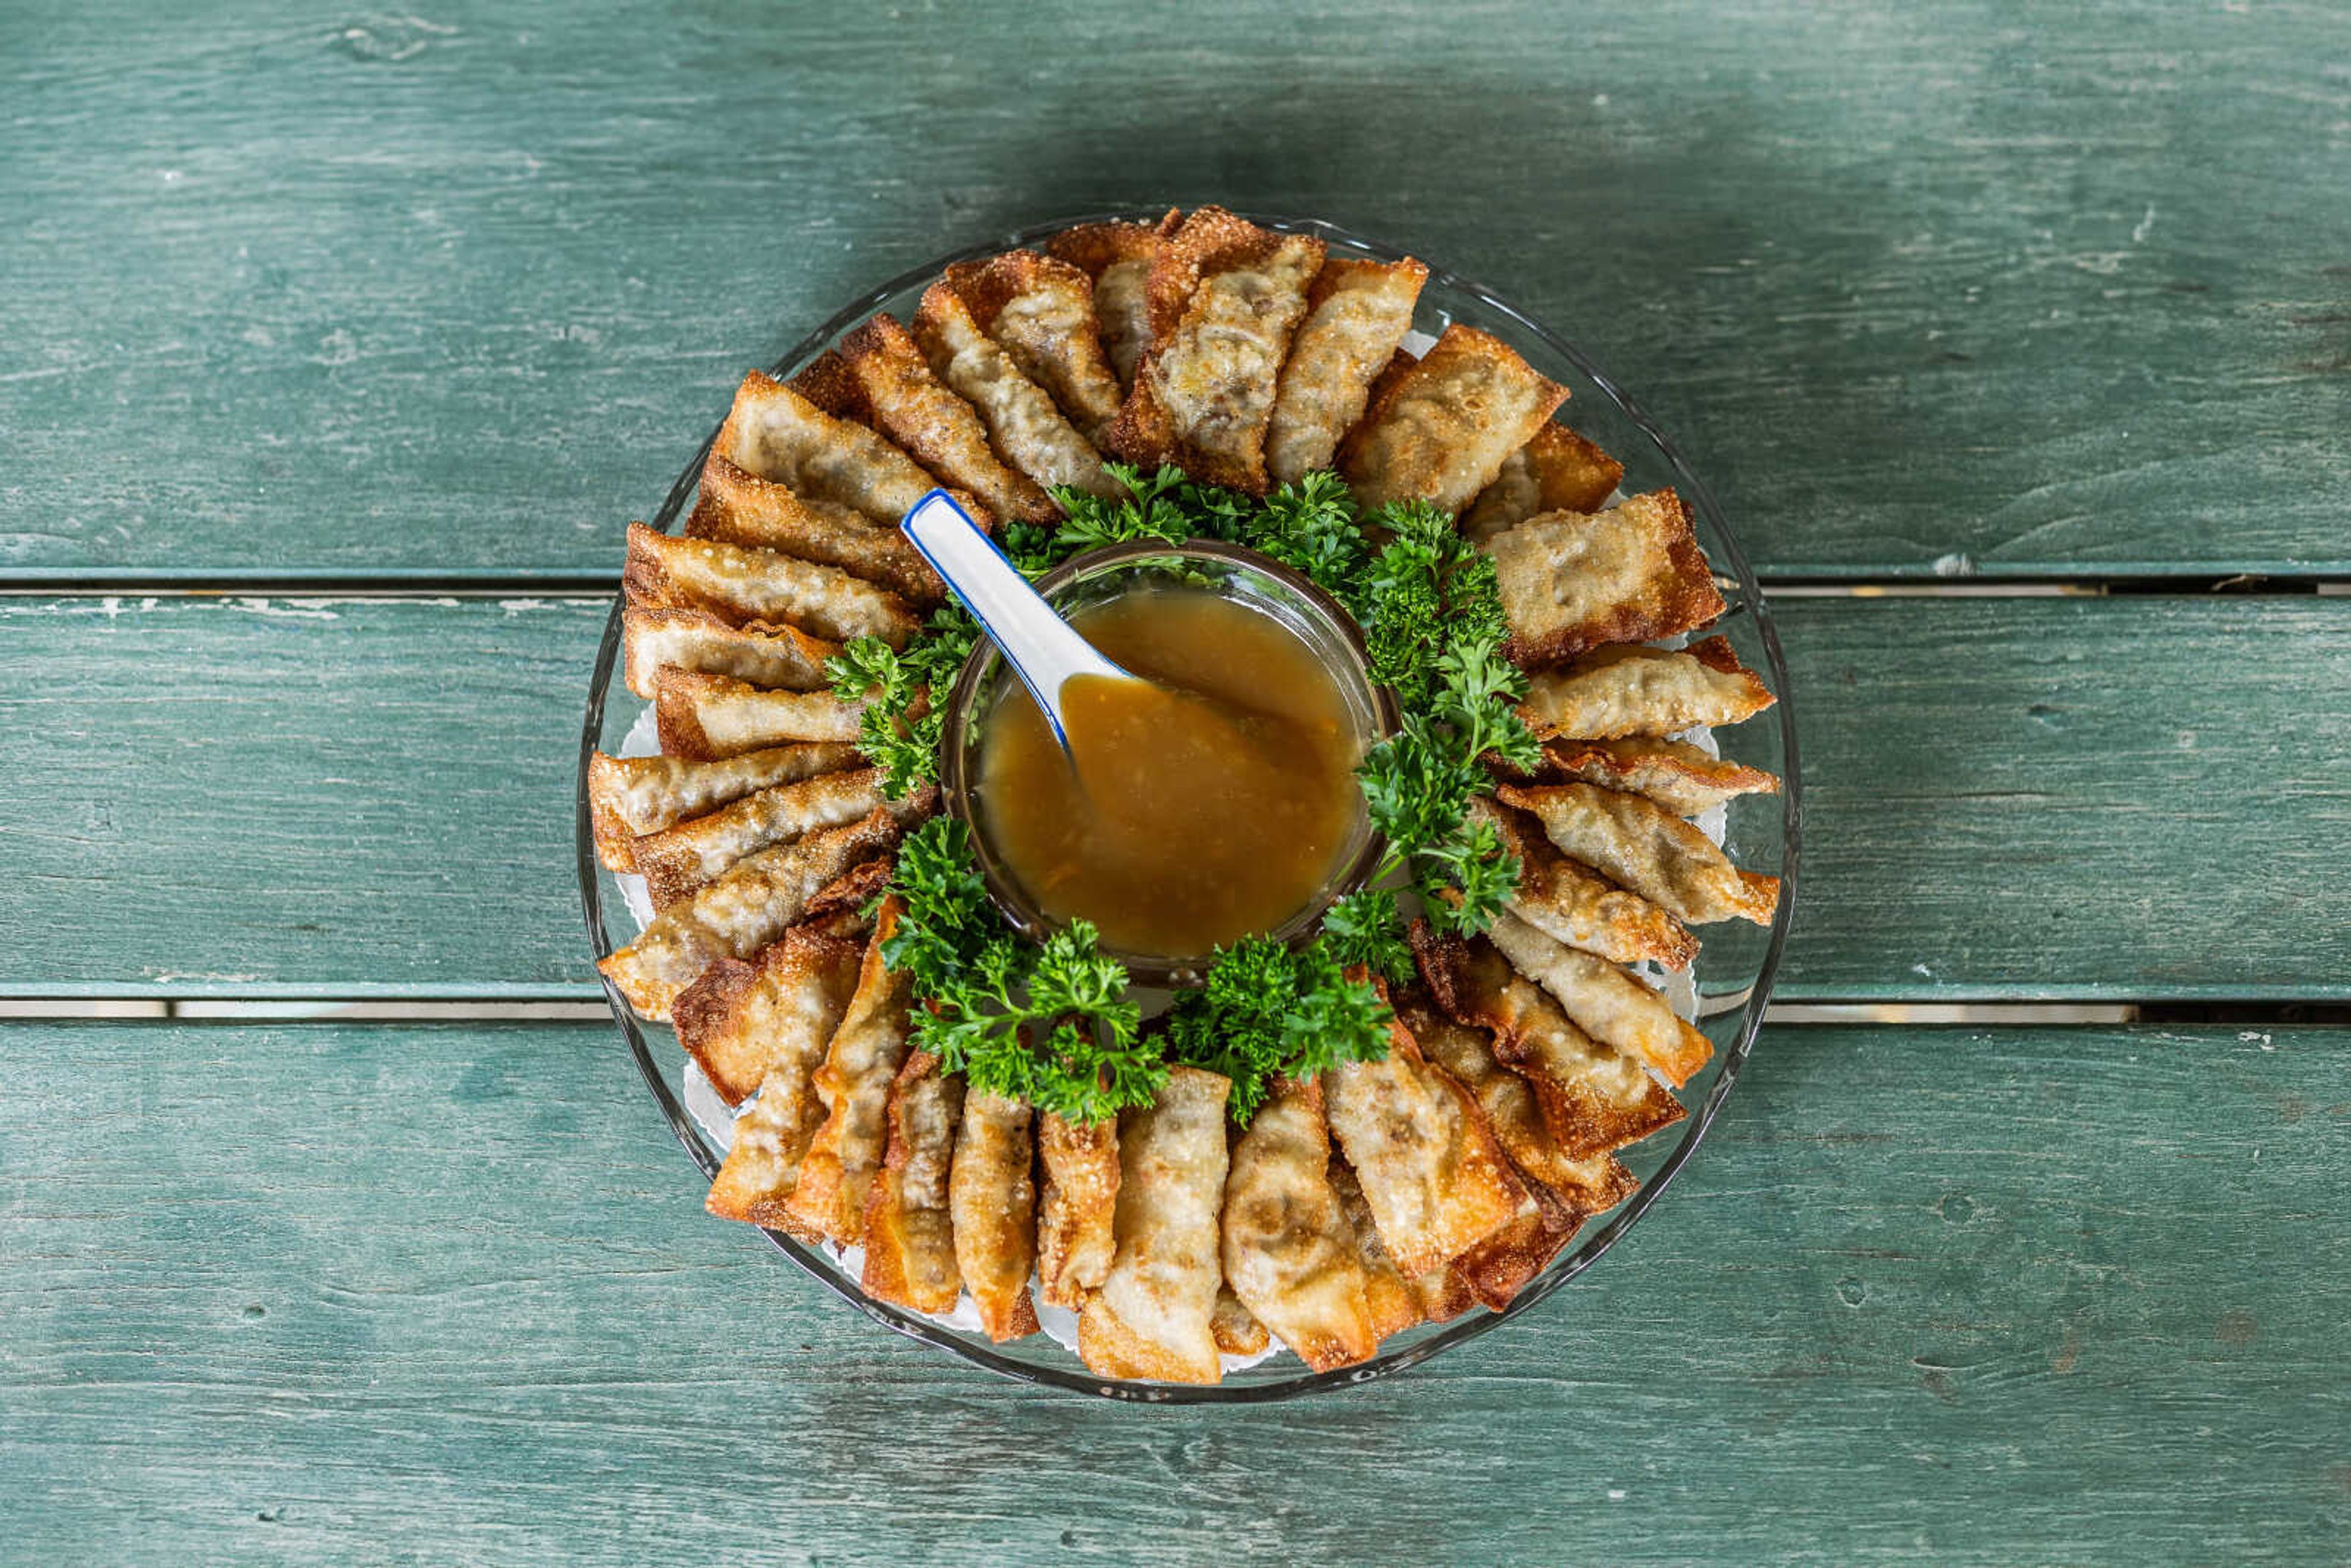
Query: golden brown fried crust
{"points": [[1236, 1327], [1679, 777], [702, 718], [747, 584], [1042, 310], [1608, 1002], [631, 796], [854, 891], [777, 432], [1026, 427], [993, 1196], [1075, 1240], [740, 1019], [1571, 581], [1440, 430], [1556, 471], [1587, 1114], [1572, 904], [739, 508], [1639, 843], [1090, 247], [1357, 314], [680, 861], [909, 1237], [1627, 689], [1204, 391], [860, 1066], [765, 653], [881, 372]]}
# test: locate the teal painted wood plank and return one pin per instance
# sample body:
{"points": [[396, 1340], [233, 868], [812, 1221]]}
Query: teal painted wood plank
{"points": [[2011, 799], [334, 1293], [1924, 289]]}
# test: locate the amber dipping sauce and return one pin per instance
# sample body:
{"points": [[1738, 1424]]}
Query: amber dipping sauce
{"points": [[1211, 804]]}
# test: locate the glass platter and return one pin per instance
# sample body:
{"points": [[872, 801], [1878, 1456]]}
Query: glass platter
{"points": [[1733, 971]]}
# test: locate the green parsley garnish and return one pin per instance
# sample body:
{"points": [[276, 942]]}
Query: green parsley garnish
{"points": [[1270, 1011]]}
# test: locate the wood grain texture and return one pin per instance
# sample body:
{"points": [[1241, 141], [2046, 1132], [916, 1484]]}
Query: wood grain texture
{"points": [[346, 1294], [2008, 798], [1925, 290]]}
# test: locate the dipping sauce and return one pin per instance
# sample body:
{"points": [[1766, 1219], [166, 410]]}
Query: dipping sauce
{"points": [[1212, 804]]}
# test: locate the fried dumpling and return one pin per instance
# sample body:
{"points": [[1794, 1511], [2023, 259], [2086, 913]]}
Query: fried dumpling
{"points": [[658, 637], [1117, 256], [882, 369], [1288, 1252], [1611, 693], [1226, 298], [1436, 1181], [1575, 905], [910, 1251], [1391, 1305], [1593, 1098], [1440, 429], [762, 1025], [1028, 429], [1556, 471], [861, 1065], [1635, 841], [1042, 312], [1586, 1185], [1571, 581], [992, 1198], [1076, 1234], [1493, 1271], [741, 509], [679, 862], [777, 432], [757, 901], [1608, 1003], [766, 585], [704, 718], [1153, 1315], [632, 795], [1357, 313], [1677, 775]]}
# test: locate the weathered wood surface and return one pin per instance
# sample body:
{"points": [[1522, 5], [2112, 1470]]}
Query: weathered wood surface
{"points": [[2009, 799], [343, 1294], [1926, 290]]}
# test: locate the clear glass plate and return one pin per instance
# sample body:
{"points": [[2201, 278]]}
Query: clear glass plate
{"points": [[1733, 971]]}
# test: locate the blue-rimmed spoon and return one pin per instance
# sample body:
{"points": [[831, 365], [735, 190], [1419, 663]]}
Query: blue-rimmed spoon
{"points": [[1043, 650]]}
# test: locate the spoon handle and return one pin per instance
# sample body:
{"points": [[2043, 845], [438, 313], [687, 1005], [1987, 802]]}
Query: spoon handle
{"points": [[1043, 649]]}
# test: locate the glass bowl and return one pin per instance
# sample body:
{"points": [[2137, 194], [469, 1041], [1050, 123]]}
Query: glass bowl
{"points": [[1243, 576], [1732, 973]]}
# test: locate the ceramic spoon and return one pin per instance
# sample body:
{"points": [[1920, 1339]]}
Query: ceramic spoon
{"points": [[1043, 650]]}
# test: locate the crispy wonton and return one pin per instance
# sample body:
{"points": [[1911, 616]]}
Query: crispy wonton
{"points": [[1226, 298], [1611, 693], [631, 796], [1234, 1327], [1076, 1234], [704, 718], [754, 903], [778, 434], [1357, 313], [1436, 1181], [1677, 775], [881, 370], [1288, 1252], [1391, 1305], [1153, 1315], [1610, 1004], [741, 509], [1571, 582], [766, 585], [910, 1251], [992, 1198], [1029, 431], [860, 1064], [1594, 1097], [1577, 905], [1585, 1183], [1117, 256], [1638, 842], [658, 637], [1556, 471], [679, 862], [763, 1025], [1042, 312], [1440, 429]]}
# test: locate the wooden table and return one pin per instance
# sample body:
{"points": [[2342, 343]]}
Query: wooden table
{"points": [[335, 350]]}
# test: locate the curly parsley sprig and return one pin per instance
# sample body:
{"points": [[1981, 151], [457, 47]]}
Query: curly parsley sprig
{"points": [[1270, 1011]]}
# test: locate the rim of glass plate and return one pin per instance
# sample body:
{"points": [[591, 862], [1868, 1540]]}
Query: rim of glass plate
{"points": [[1694, 491]]}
